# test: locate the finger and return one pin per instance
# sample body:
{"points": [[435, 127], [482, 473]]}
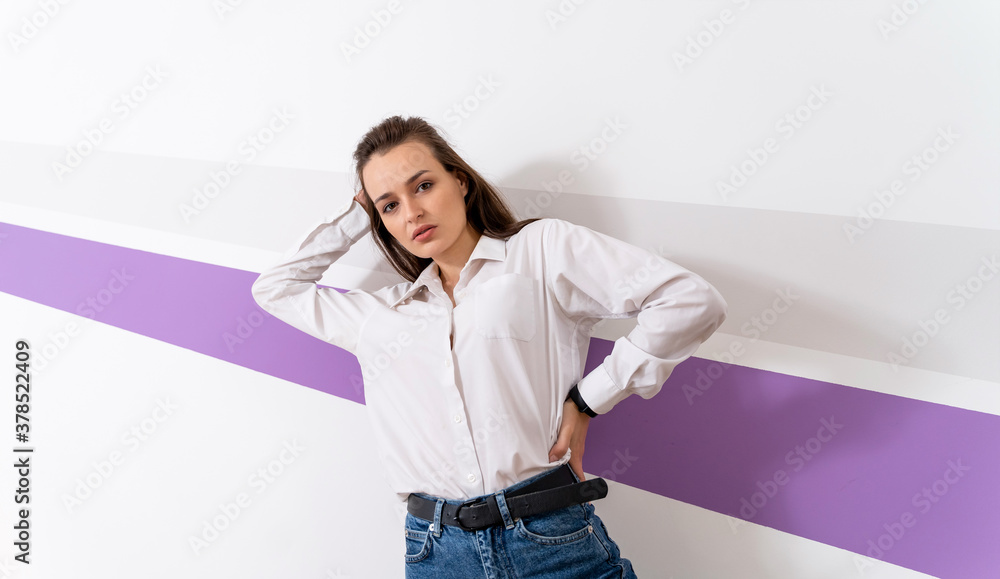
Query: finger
{"points": [[562, 444], [557, 451]]}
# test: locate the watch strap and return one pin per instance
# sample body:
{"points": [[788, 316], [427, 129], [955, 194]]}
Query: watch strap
{"points": [[574, 395]]}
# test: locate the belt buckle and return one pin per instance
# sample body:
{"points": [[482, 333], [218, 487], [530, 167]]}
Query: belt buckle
{"points": [[459, 510]]}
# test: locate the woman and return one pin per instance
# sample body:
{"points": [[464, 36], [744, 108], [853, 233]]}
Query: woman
{"points": [[473, 366]]}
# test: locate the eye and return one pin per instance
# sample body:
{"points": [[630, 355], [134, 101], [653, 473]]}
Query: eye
{"points": [[385, 208]]}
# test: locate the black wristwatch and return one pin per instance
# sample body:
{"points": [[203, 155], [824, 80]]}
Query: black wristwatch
{"points": [[574, 395]]}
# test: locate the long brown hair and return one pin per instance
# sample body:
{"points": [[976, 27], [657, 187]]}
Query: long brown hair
{"points": [[485, 207]]}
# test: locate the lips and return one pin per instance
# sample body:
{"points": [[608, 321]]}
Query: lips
{"points": [[422, 229]]}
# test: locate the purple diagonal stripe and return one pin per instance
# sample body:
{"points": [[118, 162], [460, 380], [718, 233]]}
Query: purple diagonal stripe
{"points": [[202, 307], [831, 463], [901, 480]]}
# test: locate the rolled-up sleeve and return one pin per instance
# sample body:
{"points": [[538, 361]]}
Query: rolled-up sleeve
{"points": [[288, 290], [594, 275]]}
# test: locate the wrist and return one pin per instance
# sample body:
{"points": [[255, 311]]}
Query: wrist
{"points": [[581, 404]]}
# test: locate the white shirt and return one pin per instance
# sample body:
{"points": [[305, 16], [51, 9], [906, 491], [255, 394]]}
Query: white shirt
{"points": [[467, 422]]}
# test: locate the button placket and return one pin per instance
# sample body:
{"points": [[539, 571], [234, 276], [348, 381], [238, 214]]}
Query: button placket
{"points": [[464, 435]]}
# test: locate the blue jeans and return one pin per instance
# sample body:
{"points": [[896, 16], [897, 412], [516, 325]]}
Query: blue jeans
{"points": [[567, 543]]}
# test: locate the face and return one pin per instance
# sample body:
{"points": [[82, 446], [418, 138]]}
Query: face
{"points": [[410, 190]]}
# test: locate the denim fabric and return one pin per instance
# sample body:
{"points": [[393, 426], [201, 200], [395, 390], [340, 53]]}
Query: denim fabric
{"points": [[567, 543]]}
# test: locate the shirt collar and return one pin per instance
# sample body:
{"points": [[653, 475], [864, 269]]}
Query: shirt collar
{"points": [[486, 248]]}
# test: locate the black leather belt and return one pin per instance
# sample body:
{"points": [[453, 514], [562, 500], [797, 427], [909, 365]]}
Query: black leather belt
{"points": [[554, 491]]}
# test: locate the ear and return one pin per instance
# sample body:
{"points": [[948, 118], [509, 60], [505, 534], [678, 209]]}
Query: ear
{"points": [[463, 182]]}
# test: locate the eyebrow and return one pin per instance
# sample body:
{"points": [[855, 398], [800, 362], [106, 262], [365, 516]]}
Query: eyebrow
{"points": [[408, 182]]}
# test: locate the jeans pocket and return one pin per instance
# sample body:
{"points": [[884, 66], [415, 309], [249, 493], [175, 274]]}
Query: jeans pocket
{"points": [[418, 540], [558, 527]]}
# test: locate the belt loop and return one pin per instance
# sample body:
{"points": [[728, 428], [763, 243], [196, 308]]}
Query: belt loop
{"points": [[437, 516], [502, 503]]}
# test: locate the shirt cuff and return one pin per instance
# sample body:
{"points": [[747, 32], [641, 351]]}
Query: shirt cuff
{"points": [[355, 221], [599, 391]]}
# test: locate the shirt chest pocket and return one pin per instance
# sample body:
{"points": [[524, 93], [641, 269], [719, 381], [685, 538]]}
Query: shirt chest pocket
{"points": [[505, 307]]}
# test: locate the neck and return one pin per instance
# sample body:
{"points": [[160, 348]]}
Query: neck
{"points": [[450, 263]]}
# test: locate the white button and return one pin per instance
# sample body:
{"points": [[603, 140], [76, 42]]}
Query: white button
{"points": [[458, 418], [472, 477], [447, 363]]}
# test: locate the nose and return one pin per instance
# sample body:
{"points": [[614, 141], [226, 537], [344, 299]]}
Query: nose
{"points": [[412, 209]]}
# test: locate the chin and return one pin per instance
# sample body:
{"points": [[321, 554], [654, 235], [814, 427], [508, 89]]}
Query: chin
{"points": [[417, 253]]}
